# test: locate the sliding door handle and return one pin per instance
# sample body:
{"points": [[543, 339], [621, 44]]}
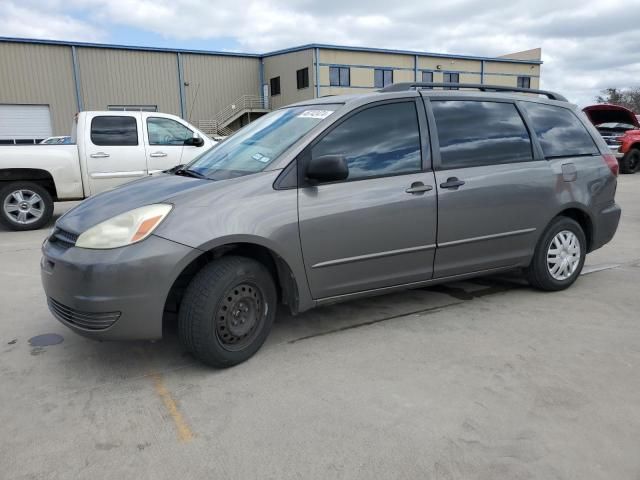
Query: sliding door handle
{"points": [[452, 182], [418, 187]]}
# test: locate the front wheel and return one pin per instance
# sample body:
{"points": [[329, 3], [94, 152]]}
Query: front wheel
{"points": [[25, 206], [630, 163], [227, 311], [559, 256]]}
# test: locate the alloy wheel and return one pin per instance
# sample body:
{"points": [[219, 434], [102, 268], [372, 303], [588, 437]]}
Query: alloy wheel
{"points": [[24, 206]]}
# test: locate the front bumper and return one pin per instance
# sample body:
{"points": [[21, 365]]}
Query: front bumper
{"points": [[615, 151], [116, 294]]}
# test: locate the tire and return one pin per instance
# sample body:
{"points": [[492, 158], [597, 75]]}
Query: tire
{"points": [[227, 311], [630, 163], [539, 272], [25, 206]]}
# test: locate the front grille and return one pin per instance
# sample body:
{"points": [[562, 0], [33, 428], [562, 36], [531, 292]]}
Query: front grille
{"points": [[86, 320], [63, 238]]}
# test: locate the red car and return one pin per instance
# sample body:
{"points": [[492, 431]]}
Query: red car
{"points": [[620, 128]]}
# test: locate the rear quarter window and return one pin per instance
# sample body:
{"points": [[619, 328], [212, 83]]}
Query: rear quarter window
{"points": [[559, 131]]}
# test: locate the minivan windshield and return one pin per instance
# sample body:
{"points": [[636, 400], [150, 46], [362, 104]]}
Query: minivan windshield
{"points": [[258, 144]]}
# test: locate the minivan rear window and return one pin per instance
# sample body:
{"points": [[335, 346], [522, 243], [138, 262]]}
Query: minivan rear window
{"points": [[559, 131], [473, 133]]}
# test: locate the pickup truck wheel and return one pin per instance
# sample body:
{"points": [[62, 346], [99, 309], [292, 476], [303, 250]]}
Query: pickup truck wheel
{"points": [[227, 311], [559, 256], [630, 163], [25, 206]]}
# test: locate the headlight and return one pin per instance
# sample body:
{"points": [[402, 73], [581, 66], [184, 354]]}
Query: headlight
{"points": [[124, 229]]}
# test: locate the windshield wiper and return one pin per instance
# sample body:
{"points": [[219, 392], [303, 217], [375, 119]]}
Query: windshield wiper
{"points": [[186, 172]]}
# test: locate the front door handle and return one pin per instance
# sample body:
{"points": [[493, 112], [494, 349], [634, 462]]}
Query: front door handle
{"points": [[452, 182], [418, 187], [158, 154], [99, 155]]}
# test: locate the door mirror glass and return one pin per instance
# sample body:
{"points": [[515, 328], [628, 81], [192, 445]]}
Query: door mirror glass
{"points": [[328, 168], [194, 141]]}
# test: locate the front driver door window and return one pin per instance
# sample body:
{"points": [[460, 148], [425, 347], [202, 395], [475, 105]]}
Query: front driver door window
{"points": [[368, 232]]}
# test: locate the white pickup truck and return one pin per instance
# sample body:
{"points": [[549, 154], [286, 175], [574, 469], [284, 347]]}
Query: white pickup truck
{"points": [[108, 149]]}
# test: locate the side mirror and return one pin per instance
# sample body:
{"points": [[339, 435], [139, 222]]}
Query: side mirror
{"points": [[328, 168], [194, 142]]}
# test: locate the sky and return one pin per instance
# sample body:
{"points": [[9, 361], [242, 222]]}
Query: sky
{"points": [[587, 45]]}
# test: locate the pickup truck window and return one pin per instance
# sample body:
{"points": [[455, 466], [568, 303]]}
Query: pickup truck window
{"points": [[114, 131], [164, 131], [258, 144]]}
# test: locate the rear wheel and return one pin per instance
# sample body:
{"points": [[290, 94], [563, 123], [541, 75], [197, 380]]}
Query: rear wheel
{"points": [[630, 163], [559, 256], [227, 311], [25, 206]]}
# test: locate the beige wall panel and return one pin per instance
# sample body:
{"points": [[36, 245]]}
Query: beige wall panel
{"points": [[285, 67], [470, 78], [216, 81], [324, 91], [403, 76], [39, 74], [124, 77], [503, 80], [345, 57], [364, 77], [516, 68], [449, 64]]}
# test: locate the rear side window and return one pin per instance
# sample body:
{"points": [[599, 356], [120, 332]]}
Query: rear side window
{"points": [[382, 140], [480, 133], [114, 131], [559, 131]]}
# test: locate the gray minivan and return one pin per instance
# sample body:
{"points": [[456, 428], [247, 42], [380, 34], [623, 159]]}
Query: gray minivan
{"points": [[334, 199]]}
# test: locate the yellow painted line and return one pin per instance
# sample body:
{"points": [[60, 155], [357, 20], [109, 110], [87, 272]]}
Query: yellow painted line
{"points": [[184, 432]]}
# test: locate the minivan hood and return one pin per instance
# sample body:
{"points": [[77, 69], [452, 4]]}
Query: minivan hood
{"points": [[607, 113], [147, 191]]}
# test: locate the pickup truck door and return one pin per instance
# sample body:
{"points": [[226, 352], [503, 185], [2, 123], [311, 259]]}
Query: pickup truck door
{"points": [[114, 149], [165, 139]]}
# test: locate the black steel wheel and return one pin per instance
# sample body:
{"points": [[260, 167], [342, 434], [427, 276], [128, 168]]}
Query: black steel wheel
{"points": [[630, 163], [227, 311]]}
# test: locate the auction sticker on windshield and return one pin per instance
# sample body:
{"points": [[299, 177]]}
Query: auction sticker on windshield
{"points": [[315, 114]]}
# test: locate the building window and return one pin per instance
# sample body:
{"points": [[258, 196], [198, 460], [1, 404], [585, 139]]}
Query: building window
{"points": [[524, 82], [302, 78], [427, 77], [133, 108], [450, 77], [382, 77], [275, 86], [339, 76]]}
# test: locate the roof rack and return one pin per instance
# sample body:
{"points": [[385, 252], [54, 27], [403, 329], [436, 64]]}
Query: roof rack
{"points": [[403, 86]]}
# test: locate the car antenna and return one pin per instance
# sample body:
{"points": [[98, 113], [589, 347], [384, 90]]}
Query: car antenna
{"points": [[194, 102]]}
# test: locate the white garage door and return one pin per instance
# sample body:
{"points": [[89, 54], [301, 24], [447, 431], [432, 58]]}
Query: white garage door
{"points": [[24, 122]]}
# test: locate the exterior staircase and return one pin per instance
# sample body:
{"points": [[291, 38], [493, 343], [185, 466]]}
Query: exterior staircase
{"points": [[244, 105]]}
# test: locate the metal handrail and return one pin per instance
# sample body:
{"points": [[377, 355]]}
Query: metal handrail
{"points": [[403, 86], [216, 126]]}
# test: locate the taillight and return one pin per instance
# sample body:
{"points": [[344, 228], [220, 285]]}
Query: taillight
{"points": [[612, 163]]}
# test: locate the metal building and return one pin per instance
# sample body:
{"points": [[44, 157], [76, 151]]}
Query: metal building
{"points": [[44, 83]]}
